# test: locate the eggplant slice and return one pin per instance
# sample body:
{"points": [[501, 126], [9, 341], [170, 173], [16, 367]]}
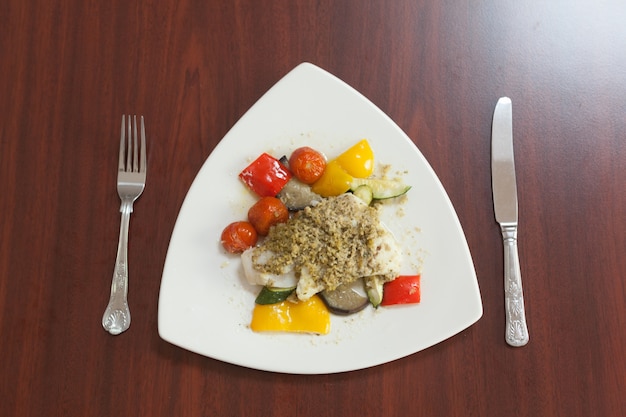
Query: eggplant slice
{"points": [[344, 300], [297, 195]]}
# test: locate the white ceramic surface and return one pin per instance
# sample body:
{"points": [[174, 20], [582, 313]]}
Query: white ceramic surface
{"points": [[205, 304]]}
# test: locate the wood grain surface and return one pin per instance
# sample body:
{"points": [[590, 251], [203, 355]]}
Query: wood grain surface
{"points": [[69, 69]]}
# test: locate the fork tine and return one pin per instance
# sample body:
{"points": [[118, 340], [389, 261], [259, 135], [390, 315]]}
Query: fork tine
{"points": [[121, 165], [143, 164], [129, 152], [135, 167]]}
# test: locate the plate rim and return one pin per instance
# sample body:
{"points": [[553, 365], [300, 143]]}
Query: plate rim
{"points": [[302, 70]]}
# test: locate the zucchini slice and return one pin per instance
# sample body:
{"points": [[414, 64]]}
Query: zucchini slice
{"points": [[374, 289], [381, 189], [364, 192], [273, 295]]}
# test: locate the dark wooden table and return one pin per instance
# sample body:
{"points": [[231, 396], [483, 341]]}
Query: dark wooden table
{"points": [[69, 69]]}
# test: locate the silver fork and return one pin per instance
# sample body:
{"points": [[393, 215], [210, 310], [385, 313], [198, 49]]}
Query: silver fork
{"points": [[131, 179]]}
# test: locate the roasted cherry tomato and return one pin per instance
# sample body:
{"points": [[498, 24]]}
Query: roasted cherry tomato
{"points": [[239, 236], [267, 212], [307, 164], [266, 176], [405, 289]]}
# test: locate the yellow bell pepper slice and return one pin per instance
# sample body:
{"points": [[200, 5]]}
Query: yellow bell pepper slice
{"points": [[310, 316], [358, 161], [334, 181]]}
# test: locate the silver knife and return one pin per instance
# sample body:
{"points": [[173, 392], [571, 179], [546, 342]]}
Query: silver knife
{"points": [[505, 206]]}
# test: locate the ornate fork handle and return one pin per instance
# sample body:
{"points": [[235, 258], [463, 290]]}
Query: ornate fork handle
{"points": [[116, 318], [516, 329]]}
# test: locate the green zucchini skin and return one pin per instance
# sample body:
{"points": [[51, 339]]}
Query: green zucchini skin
{"points": [[381, 189]]}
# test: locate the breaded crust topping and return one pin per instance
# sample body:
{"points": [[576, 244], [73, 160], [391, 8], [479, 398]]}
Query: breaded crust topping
{"points": [[337, 241]]}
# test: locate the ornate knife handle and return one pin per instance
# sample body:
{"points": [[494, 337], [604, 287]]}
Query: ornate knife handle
{"points": [[516, 329]]}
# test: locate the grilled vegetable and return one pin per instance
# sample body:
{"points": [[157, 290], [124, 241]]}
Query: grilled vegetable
{"points": [[405, 289], [239, 236], [296, 195], [381, 189], [310, 316], [358, 160], [266, 176], [333, 182], [344, 299], [374, 288], [267, 212], [307, 164], [272, 295], [364, 192]]}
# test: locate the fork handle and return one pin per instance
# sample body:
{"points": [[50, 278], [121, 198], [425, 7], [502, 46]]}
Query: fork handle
{"points": [[516, 329], [116, 318]]}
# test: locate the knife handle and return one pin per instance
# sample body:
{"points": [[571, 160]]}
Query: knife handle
{"points": [[516, 329]]}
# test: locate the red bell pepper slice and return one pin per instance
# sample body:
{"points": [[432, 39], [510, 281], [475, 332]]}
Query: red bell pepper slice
{"points": [[266, 176], [405, 289]]}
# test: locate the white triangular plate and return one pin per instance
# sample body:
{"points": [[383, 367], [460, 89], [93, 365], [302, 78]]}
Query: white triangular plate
{"points": [[205, 304]]}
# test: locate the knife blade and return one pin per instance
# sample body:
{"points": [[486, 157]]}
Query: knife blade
{"points": [[505, 205]]}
